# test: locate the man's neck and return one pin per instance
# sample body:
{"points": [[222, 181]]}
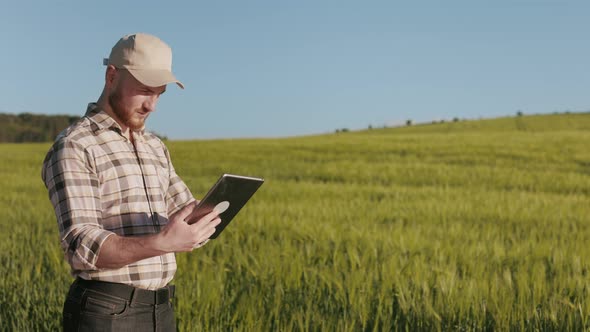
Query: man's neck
{"points": [[103, 104]]}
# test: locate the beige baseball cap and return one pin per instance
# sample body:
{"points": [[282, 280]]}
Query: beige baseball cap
{"points": [[146, 57]]}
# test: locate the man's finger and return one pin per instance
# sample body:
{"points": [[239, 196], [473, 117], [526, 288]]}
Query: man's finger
{"points": [[185, 211], [216, 222], [201, 244], [209, 228], [210, 233], [207, 218]]}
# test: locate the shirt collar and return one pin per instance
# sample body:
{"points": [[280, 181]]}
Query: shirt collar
{"points": [[104, 121]]}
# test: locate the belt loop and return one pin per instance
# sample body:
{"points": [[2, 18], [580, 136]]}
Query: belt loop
{"points": [[134, 294]]}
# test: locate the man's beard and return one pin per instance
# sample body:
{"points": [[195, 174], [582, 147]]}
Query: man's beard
{"points": [[126, 117]]}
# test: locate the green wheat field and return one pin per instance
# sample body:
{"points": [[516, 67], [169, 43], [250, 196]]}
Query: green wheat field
{"points": [[459, 226]]}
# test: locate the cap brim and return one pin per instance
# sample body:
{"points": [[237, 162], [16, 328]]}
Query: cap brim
{"points": [[154, 78]]}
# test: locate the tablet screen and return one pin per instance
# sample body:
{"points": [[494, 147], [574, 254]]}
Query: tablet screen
{"points": [[229, 194]]}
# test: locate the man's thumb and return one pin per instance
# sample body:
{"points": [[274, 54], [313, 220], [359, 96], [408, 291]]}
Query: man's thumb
{"points": [[185, 211]]}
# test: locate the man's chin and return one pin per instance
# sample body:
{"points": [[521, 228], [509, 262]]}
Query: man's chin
{"points": [[137, 127], [136, 124]]}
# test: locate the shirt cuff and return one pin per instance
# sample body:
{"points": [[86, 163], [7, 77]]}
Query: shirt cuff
{"points": [[82, 249]]}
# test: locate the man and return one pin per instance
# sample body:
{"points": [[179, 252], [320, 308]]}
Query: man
{"points": [[121, 208]]}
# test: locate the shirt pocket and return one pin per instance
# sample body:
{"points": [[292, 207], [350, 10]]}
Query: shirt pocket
{"points": [[163, 174]]}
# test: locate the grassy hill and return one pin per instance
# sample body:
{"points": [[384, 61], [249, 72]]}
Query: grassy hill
{"points": [[470, 225], [529, 123]]}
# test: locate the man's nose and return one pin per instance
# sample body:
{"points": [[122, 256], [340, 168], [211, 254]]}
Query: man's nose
{"points": [[150, 103]]}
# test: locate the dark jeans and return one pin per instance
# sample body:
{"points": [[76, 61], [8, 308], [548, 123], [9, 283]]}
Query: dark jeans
{"points": [[102, 306]]}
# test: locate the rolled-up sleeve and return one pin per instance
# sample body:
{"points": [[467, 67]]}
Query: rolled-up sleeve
{"points": [[74, 192], [178, 194]]}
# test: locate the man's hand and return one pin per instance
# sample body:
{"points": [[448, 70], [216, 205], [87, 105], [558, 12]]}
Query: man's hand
{"points": [[118, 251], [179, 236]]}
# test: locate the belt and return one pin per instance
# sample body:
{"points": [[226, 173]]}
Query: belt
{"points": [[127, 292]]}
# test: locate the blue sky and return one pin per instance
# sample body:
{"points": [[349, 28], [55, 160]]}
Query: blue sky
{"points": [[288, 68]]}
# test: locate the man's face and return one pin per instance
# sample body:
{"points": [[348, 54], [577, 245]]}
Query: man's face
{"points": [[131, 101]]}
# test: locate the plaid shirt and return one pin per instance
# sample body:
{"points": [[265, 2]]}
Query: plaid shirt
{"points": [[101, 184]]}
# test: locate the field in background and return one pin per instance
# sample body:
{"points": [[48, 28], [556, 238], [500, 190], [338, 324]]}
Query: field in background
{"points": [[458, 226]]}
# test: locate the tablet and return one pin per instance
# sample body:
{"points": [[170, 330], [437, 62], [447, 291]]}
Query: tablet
{"points": [[229, 194]]}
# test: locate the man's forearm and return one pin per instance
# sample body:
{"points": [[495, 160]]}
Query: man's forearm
{"points": [[118, 251], [177, 236]]}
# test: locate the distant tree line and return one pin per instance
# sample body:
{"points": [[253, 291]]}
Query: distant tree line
{"points": [[28, 127]]}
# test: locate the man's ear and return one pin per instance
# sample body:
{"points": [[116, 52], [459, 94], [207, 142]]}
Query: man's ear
{"points": [[110, 76]]}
